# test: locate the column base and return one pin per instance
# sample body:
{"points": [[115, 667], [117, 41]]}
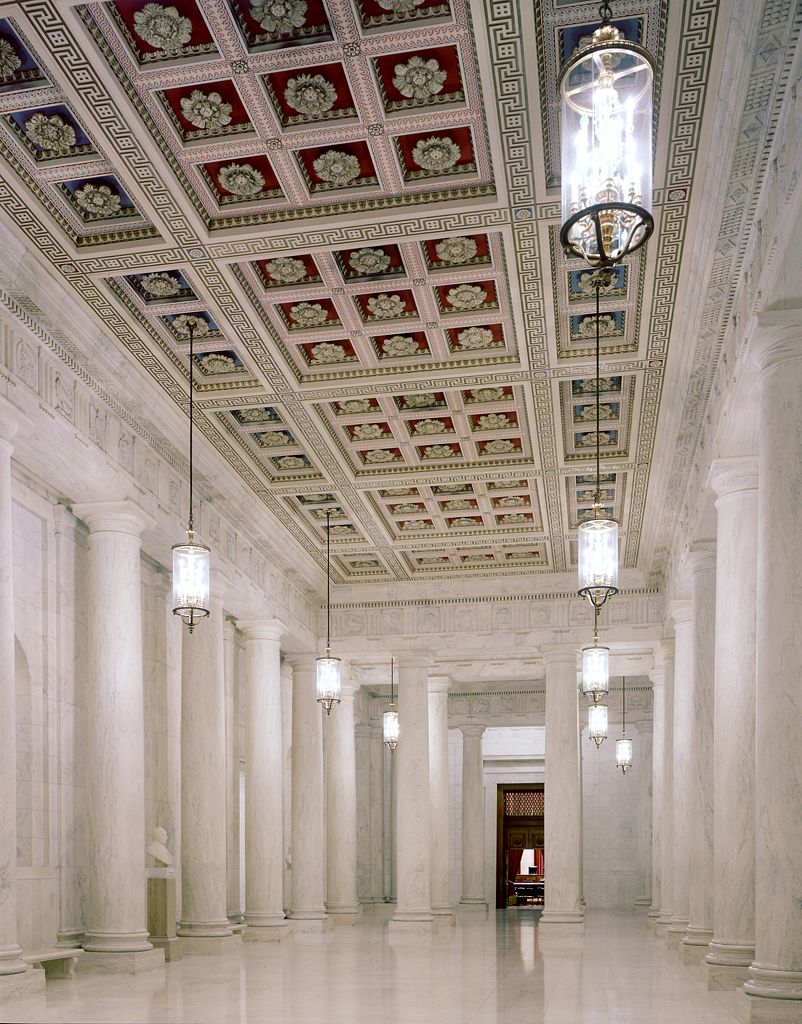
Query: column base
{"points": [[654, 912], [675, 932], [171, 945], [726, 965], [69, 939], [758, 1010], [695, 946], [27, 984], [346, 914], [316, 925], [663, 919], [442, 910], [136, 962], [266, 931], [209, 945], [409, 927], [117, 942], [472, 905], [569, 922], [642, 901]]}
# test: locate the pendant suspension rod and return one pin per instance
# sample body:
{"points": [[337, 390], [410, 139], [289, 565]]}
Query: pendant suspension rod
{"points": [[624, 703], [598, 402], [328, 580], [596, 625], [605, 11], [191, 415], [392, 680]]}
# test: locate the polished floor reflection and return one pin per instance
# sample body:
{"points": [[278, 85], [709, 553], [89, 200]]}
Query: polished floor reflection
{"points": [[496, 970]]}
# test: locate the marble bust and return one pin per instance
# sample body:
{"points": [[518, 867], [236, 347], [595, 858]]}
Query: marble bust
{"points": [[157, 848]]}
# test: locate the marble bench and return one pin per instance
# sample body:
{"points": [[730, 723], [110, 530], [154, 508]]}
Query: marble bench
{"points": [[56, 963]]}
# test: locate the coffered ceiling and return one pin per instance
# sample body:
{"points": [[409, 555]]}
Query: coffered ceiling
{"points": [[354, 202]]}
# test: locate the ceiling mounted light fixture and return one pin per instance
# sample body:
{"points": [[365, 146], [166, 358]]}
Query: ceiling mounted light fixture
{"points": [[328, 668], [390, 728], [191, 560], [623, 746], [606, 164], [595, 667], [597, 538], [597, 723]]}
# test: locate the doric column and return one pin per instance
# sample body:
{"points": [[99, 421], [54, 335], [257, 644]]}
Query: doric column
{"points": [[438, 787], [658, 733], [233, 823], [264, 789], [733, 947], [17, 981], [204, 926], [701, 877], [413, 903], [116, 933], [308, 830], [667, 785], [473, 820], [642, 769], [563, 786], [286, 763], [774, 989], [342, 903], [681, 803]]}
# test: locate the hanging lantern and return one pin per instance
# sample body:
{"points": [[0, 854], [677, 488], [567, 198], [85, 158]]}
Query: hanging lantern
{"points": [[390, 729], [595, 671], [606, 164], [623, 746], [191, 560], [597, 723], [598, 559], [328, 668]]}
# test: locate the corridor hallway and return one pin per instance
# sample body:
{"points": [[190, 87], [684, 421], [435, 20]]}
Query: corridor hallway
{"points": [[501, 969]]}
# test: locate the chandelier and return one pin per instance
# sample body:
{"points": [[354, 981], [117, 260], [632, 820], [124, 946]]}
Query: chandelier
{"points": [[606, 162], [328, 668], [191, 560], [597, 538], [623, 746], [390, 729], [595, 667], [597, 723]]}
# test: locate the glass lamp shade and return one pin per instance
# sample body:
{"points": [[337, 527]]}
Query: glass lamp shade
{"points": [[328, 681], [606, 127], [595, 672], [190, 582], [598, 560], [597, 723], [623, 754], [390, 728]]}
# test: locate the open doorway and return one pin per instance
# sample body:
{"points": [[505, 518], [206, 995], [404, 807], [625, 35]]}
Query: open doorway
{"points": [[521, 868]]}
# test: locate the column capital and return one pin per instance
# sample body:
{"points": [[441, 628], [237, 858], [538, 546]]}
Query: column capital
{"points": [[113, 517], [657, 675], [777, 340], [665, 652], [11, 420], [301, 662], [472, 729], [700, 558], [439, 684], [262, 629], [733, 475], [680, 611], [559, 654], [413, 659]]}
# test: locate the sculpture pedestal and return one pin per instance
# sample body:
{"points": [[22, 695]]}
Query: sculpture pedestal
{"points": [[161, 912]]}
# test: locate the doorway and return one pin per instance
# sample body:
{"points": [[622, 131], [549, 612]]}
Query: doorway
{"points": [[520, 865]]}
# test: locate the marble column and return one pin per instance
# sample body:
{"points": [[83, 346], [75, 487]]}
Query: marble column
{"points": [[413, 914], [204, 926], [286, 763], [701, 569], [233, 823], [17, 980], [563, 790], [774, 989], [666, 809], [681, 803], [116, 938], [370, 813], [658, 732], [438, 787], [642, 769], [732, 949], [264, 789], [342, 903], [308, 829], [473, 820]]}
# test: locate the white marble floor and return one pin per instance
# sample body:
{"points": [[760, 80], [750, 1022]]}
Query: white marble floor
{"points": [[499, 970]]}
